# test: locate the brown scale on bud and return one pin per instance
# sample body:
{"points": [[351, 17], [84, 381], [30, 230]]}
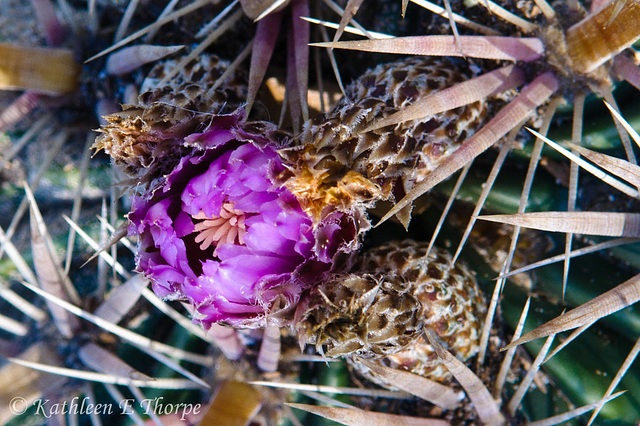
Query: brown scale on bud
{"points": [[359, 314], [142, 136], [337, 163], [381, 312]]}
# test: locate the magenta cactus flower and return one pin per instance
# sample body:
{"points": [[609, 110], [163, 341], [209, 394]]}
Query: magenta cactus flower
{"points": [[220, 231]]}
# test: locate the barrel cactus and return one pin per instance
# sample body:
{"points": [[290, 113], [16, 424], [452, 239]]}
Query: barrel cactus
{"points": [[278, 236]]}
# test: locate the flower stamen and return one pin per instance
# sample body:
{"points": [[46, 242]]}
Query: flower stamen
{"points": [[228, 228]]}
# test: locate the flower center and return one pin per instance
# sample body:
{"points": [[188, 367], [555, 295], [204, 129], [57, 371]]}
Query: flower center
{"points": [[228, 228]]}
